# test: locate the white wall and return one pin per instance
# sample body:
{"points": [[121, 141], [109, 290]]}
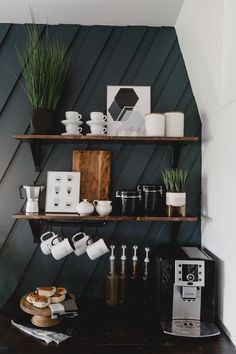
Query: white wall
{"points": [[204, 28], [94, 12], [229, 53]]}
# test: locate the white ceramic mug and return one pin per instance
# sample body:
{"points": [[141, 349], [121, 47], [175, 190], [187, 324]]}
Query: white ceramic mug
{"points": [[82, 243], [174, 122], [73, 115], [97, 129], [73, 129], [103, 207], [98, 116], [62, 249], [97, 249], [46, 241], [155, 124]]}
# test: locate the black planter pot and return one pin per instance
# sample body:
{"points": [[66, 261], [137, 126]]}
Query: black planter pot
{"points": [[43, 121]]}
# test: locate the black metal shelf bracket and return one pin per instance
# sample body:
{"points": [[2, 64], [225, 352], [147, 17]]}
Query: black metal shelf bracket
{"points": [[38, 227], [36, 150], [176, 150]]}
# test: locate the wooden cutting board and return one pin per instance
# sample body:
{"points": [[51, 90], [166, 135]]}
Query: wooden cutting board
{"points": [[95, 168]]}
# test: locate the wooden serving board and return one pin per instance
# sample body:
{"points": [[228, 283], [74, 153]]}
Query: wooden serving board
{"points": [[95, 168], [41, 317]]}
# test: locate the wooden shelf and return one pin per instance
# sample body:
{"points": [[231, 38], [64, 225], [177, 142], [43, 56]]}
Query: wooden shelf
{"points": [[76, 217], [36, 142], [102, 138]]}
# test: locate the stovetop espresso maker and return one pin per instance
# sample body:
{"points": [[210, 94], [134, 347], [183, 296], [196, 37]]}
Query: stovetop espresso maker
{"points": [[32, 196]]}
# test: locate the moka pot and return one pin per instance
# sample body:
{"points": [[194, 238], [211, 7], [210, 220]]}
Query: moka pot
{"points": [[32, 196]]}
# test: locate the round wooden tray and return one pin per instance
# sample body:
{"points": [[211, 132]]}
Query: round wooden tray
{"points": [[41, 317]]}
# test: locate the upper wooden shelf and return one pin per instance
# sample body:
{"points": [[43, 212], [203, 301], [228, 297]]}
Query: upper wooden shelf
{"points": [[36, 142], [76, 217], [102, 138]]}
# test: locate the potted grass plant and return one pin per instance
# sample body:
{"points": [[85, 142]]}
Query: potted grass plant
{"points": [[45, 67], [175, 183]]}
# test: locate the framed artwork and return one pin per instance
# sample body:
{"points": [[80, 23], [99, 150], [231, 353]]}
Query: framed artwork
{"points": [[126, 109], [63, 192]]}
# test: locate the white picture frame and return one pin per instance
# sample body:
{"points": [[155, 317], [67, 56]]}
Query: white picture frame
{"points": [[126, 109], [63, 192]]}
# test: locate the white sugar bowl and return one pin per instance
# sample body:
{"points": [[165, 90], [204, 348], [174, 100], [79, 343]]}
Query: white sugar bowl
{"points": [[85, 208], [103, 207]]}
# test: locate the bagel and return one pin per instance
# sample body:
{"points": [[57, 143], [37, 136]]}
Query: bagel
{"points": [[61, 290], [32, 296], [47, 291], [41, 302], [57, 297]]}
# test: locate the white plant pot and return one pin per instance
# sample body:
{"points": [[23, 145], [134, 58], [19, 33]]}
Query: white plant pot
{"points": [[176, 199]]}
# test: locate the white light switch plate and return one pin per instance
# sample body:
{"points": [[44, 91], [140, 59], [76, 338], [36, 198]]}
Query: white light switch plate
{"points": [[63, 192]]}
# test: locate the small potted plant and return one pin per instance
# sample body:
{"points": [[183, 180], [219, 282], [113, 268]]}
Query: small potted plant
{"points": [[45, 67], [175, 183]]}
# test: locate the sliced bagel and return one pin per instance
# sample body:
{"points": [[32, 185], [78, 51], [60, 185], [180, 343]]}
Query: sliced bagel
{"points": [[47, 291], [57, 297], [32, 296], [41, 302], [61, 290]]}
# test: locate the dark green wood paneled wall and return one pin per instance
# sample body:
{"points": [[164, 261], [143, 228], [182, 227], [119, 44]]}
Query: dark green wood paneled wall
{"points": [[102, 55]]}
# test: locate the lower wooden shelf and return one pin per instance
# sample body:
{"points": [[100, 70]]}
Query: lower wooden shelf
{"points": [[76, 217]]}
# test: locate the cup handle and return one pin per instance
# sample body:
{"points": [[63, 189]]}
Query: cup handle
{"points": [[20, 191], [59, 237], [104, 117], [104, 130], [78, 233], [46, 233], [95, 202], [89, 241], [79, 116], [80, 130]]}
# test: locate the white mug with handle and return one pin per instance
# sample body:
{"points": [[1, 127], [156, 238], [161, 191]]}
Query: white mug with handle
{"points": [[62, 249], [97, 249], [82, 243], [46, 241], [97, 129], [98, 117], [73, 116]]}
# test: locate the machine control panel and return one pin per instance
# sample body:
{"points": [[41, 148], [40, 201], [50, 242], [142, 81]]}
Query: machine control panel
{"points": [[189, 273]]}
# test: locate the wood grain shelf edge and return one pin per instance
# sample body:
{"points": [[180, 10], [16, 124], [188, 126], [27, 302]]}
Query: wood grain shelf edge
{"points": [[105, 138], [76, 217]]}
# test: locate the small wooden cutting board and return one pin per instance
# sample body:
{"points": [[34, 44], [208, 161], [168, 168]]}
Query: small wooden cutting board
{"points": [[95, 169]]}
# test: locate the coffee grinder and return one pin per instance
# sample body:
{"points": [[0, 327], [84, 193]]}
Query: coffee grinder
{"points": [[185, 292]]}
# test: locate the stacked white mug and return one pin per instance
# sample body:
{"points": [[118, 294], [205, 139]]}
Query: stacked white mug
{"points": [[72, 123], [97, 123]]}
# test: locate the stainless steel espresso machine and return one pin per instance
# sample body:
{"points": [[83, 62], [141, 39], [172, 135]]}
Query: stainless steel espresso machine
{"points": [[185, 292]]}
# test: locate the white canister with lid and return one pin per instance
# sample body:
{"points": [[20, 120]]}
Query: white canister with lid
{"points": [[174, 124], [154, 124]]}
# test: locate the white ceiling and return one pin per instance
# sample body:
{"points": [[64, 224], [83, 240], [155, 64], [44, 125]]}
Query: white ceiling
{"points": [[95, 12]]}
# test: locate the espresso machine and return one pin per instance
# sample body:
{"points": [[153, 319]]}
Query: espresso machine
{"points": [[185, 292], [32, 196]]}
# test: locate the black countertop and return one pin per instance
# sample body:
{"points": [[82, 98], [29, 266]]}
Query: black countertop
{"points": [[108, 330]]}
